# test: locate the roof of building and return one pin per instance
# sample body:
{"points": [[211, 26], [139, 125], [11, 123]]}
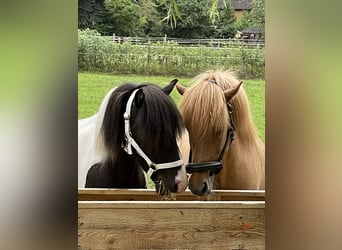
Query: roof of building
{"points": [[239, 4], [253, 29]]}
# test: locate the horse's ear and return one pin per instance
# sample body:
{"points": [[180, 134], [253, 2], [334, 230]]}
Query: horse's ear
{"points": [[181, 89], [139, 98], [168, 89], [230, 93]]}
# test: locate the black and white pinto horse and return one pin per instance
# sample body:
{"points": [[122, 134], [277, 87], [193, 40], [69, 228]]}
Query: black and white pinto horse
{"points": [[135, 130]]}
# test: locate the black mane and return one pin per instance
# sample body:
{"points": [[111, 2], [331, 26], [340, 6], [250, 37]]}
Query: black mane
{"points": [[158, 118]]}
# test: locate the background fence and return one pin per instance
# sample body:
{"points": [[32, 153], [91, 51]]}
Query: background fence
{"points": [[168, 57], [232, 42]]}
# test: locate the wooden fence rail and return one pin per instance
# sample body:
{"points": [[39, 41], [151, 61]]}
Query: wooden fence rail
{"points": [[135, 223], [100, 194], [190, 42]]}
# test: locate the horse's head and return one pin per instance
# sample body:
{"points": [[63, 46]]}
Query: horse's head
{"points": [[149, 126], [205, 110]]}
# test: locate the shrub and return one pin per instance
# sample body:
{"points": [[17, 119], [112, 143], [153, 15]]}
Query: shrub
{"points": [[100, 54]]}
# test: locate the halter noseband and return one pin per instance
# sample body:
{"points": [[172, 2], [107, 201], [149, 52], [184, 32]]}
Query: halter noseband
{"points": [[215, 166], [130, 142]]}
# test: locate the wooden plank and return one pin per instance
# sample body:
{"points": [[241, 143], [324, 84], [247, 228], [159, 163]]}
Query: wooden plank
{"points": [[170, 204], [171, 225], [89, 194], [191, 238]]}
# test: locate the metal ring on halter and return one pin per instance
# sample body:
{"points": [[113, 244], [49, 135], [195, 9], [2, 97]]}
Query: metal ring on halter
{"points": [[215, 166]]}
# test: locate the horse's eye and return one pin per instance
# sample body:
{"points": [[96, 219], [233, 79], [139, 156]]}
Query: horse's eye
{"points": [[218, 132]]}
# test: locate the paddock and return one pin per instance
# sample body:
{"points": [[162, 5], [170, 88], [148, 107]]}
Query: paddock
{"points": [[137, 219]]}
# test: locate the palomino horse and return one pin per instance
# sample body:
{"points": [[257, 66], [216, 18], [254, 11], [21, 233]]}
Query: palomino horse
{"points": [[135, 130], [223, 139]]}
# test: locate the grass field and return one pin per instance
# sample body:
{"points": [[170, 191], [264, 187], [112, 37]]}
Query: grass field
{"points": [[93, 87]]}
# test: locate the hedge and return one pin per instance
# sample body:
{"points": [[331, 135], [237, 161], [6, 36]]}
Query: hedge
{"points": [[98, 54]]}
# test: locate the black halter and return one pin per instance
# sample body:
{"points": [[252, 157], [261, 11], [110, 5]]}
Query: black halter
{"points": [[215, 166]]}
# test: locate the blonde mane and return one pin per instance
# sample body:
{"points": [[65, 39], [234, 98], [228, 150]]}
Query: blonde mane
{"points": [[204, 108]]}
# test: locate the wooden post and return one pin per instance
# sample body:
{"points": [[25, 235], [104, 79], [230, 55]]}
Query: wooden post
{"points": [[148, 57]]}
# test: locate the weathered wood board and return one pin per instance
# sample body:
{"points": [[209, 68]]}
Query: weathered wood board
{"points": [[101, 194], [171, 224]]}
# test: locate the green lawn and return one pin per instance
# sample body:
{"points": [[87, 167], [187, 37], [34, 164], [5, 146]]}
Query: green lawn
{"points": [[255, 90], [93, 87]]}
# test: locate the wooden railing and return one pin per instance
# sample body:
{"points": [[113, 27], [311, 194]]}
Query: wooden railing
{"points": [[190, 42]]}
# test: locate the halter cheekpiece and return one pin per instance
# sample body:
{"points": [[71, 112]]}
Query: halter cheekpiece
{"points": [[130, 142], [215, 166]]}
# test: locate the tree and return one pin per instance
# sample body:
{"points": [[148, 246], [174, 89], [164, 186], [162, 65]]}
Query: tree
{"points": [[225, 22], [257, 15], [197, 22], [174, 14], [124, 17], [150, 18], [177, 18], [194, 22], [92, 14]]}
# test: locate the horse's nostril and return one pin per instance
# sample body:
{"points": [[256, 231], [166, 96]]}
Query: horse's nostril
{"points": [[205, 188], [174, 188]]}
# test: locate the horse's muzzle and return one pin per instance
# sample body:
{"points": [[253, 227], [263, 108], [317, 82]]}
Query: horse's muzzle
{"points": [[215, 166]]}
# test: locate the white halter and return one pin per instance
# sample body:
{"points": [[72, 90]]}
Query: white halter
{"points": [[131, 142]]}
